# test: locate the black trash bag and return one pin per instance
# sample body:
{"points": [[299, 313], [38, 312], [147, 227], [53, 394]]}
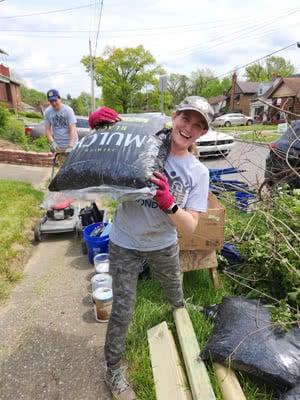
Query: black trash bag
{"points": [[122, 155], [231, 254], [293, 394], [244, 340]]}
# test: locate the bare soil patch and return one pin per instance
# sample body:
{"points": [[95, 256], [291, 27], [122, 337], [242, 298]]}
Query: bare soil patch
{"points": [[6, 144]]}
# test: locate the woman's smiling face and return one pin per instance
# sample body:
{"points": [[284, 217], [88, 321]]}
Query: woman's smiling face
{"points": [[188, 126]]}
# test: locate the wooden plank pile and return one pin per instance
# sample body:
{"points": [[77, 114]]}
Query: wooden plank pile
{"points": [[168, 372]]}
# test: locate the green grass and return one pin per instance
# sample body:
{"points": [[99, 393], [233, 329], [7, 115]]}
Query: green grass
{"points": [[152, 308], [258, 136], [19, 205], [247, 128]]}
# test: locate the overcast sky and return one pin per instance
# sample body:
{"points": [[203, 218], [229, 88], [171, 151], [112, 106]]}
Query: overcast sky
{"points": [[46, 40]]}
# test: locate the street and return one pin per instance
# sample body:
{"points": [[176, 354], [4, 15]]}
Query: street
{"points": [[245, 155]]}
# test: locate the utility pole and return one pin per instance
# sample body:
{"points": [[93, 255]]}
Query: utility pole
{"points": [[163, 81], [93, 106]]}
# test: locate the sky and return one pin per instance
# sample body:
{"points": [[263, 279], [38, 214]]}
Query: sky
{"points": [[45, 41]]}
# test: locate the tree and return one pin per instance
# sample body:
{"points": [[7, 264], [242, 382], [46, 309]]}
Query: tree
{"points": [[179, 87], [32, 96], [199, 80], [215, 87], [260, 72], [122, 73], [82, 104]]}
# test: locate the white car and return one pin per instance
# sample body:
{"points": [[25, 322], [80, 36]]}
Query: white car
{"points": [[214, 143], [233, 119]]}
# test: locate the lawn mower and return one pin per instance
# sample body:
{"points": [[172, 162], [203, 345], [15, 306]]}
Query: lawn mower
{"points": [[60, 217]]}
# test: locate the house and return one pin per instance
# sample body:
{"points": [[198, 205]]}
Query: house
{"points": [[286, 96], [240, 94], [258, 107], [218, 103], [9, 88]]}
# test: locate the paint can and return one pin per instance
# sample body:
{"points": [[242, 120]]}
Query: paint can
{"points": [[103, 298]]}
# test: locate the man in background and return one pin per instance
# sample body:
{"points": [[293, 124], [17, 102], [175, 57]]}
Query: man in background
{"points": [[60, 123]]}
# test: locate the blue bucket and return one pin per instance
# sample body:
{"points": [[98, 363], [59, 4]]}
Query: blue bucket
{"points": [[242, 201], [95, 244]]}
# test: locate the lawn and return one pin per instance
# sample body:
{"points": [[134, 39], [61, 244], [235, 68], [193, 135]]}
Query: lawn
{"points": [[258, 136], [248, 128], [152, 308], [19, 204]]}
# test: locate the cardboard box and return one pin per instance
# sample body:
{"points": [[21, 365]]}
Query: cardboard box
{"points": [[209, 234]]}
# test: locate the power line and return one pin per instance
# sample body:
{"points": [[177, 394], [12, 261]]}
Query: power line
{"points": [[243, 33], [220, 23], [255, 61], [45, 12], [98, 27]]}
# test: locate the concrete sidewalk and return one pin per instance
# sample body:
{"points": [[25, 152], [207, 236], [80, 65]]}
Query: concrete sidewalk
{"points": [[51, 347], [37, 176]]}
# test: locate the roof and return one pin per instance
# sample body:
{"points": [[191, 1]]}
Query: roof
{"points": [[248, 87], [4, 78], [217, 99], [292, 83]]}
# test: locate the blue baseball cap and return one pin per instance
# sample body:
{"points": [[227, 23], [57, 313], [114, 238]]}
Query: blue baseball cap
{"points": [[53, 94]]}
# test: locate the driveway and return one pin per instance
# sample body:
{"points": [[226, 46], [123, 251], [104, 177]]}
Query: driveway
{"points": [[51, 347]]}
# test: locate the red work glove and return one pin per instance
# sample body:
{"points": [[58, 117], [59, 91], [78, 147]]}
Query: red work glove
{"points": [[103, 116], [163, 196]]}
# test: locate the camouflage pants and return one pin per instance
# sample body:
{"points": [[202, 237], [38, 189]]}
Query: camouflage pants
{"points": [[125, 267]]}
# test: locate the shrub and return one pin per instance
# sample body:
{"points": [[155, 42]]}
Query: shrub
{"points": [[4, 115], [40, 145], [31, 114], [14, 132], [269, 242]]}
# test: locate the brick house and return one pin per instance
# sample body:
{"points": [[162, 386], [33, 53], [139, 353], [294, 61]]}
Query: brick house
{"points": [[9, 88], [240, 94], [285, 95]]}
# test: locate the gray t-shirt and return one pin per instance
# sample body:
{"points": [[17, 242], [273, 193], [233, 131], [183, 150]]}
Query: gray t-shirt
{"points": [[141, 225], [59, 122]]}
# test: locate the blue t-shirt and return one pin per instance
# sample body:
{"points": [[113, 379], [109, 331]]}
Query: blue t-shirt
{"points": [[60, 121], [142, 225]]}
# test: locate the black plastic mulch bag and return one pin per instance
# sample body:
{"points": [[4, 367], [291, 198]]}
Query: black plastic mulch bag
{"points": [[122, 155], [244, 339], [293, 394]]}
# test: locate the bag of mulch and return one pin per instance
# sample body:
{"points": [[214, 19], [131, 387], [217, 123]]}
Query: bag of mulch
{"points": [[118, 159], [245, 339]]}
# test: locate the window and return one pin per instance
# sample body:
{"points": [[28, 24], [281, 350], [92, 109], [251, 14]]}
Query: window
{"points": [[82, 123]]}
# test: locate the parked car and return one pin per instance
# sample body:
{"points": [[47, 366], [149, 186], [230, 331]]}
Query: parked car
{"points": [[283, 161], [215, 143], [232, 119], [37, 129]]}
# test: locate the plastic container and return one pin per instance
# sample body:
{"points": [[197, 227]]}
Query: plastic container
{"points": [[242, 201], [103, 298], [95, 244], [101, 263], [101, 280]]}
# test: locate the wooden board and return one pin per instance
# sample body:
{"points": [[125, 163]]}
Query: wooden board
{"points": [[229, 384], [197, 259], [191, 260], [169, 377], [197, 374]]}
